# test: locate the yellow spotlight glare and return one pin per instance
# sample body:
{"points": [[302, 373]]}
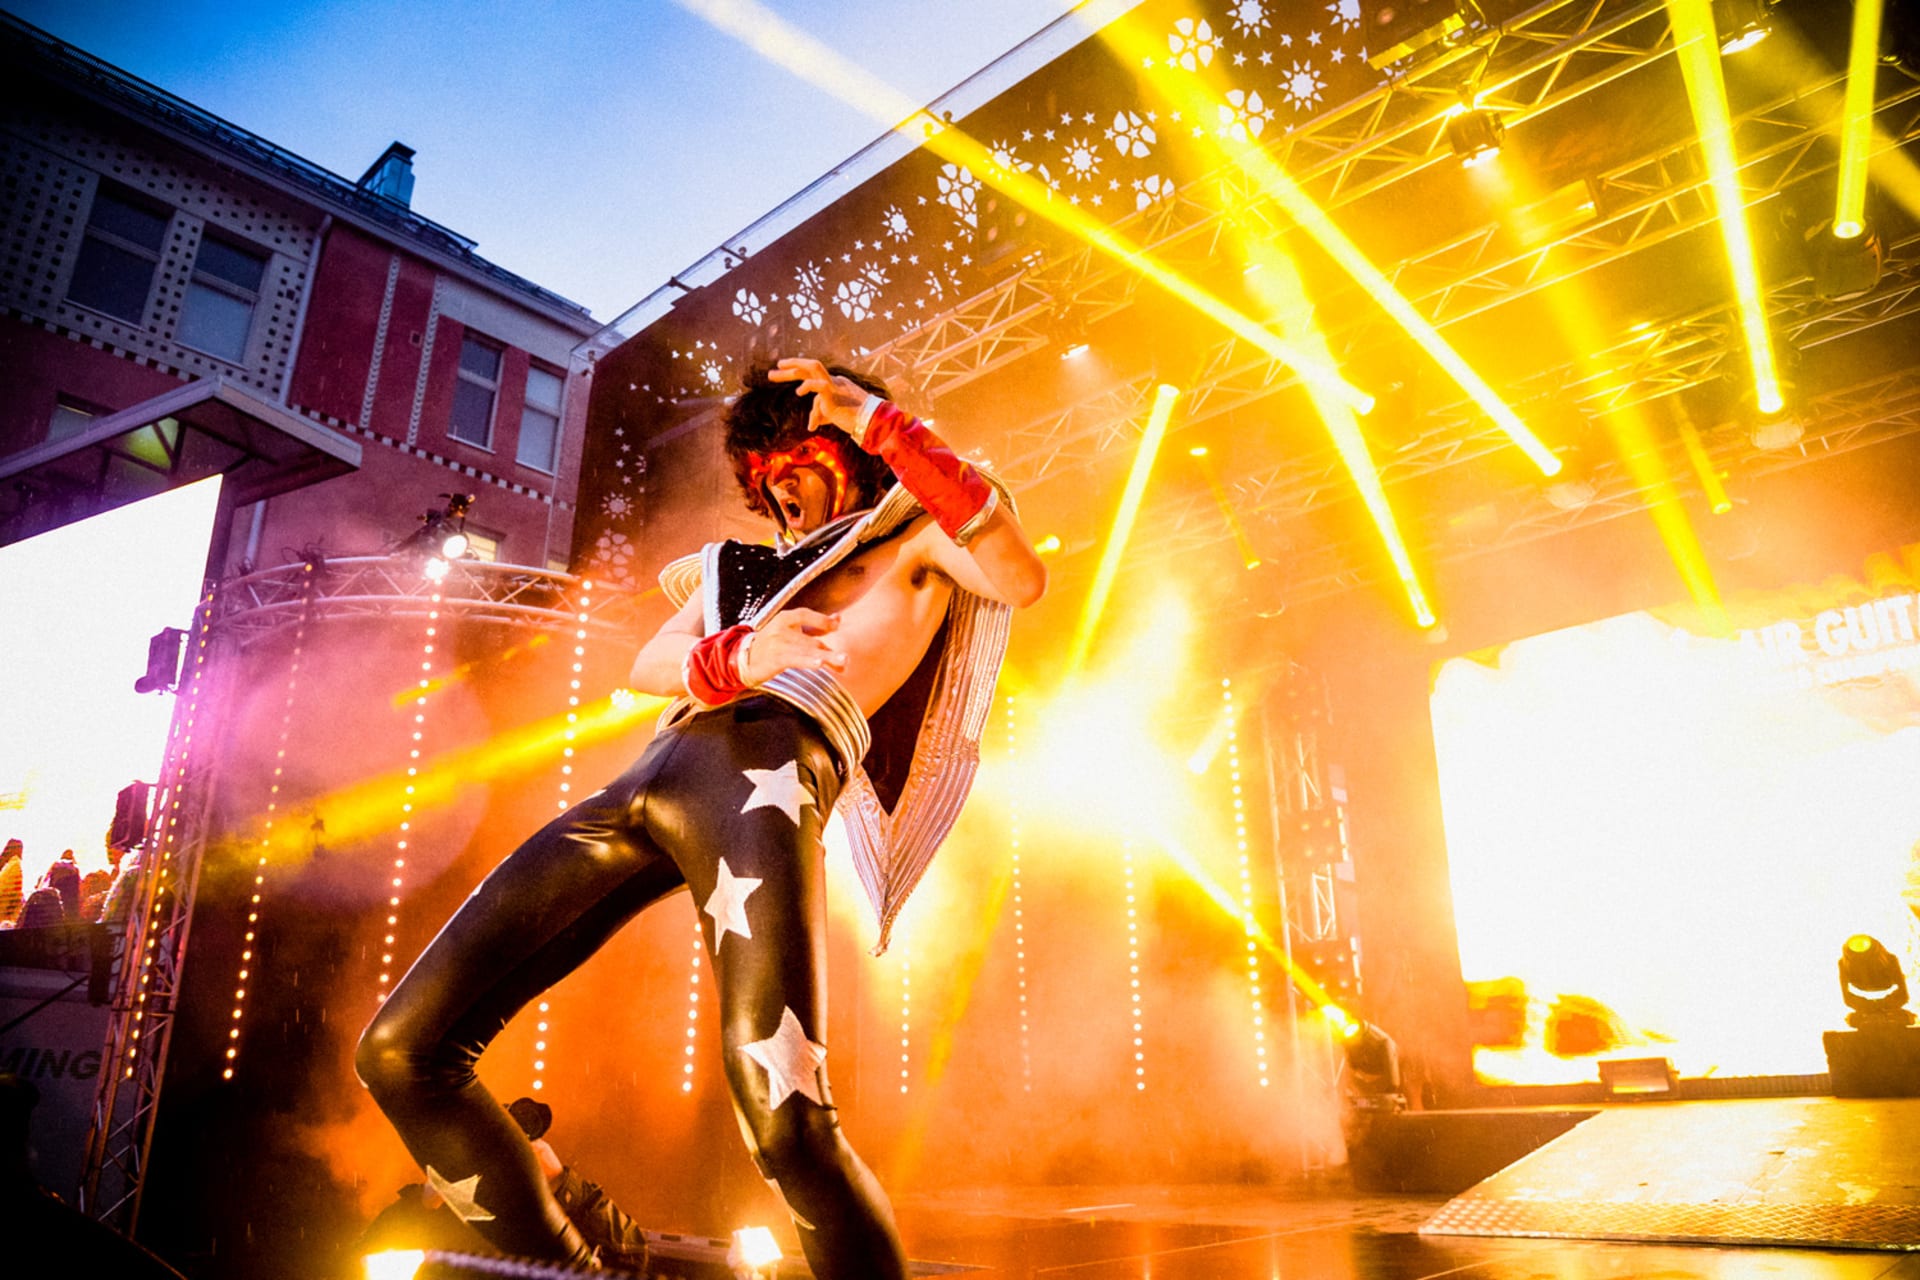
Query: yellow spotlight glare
{"points": [[394, 1264], [1049, 545], [824, 67], [753, 1247], [1198, 451], [1717, 500], [1856, 120], [1699, 55], [1345, 1023], [1163, 401], [1135, 42]]}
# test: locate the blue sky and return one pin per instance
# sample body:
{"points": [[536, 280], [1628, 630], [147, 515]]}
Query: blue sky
{"points": [[593, 146]]}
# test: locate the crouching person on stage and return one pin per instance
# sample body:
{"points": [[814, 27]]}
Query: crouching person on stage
{"points": [[851, 663]]}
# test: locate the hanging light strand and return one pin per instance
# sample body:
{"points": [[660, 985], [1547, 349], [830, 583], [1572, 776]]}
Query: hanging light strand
{"points": [[693, 1005], [1250, 926], [427, 647], [1133, 968], [250, 941], [1019, 906]]}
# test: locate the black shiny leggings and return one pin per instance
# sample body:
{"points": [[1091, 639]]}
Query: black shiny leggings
{"points": [[746, 788]]}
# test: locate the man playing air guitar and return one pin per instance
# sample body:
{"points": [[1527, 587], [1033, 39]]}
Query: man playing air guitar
{"points": [[853, 662]]}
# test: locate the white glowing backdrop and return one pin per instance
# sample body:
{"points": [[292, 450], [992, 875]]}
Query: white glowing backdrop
{"points": [[81, 603], [1686, 829]]}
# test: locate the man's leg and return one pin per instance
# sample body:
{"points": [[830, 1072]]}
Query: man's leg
{"points": [[753, 859], [552, 903]]}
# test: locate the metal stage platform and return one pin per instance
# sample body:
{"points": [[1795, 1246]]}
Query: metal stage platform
{"points": [[1791, 1188]]}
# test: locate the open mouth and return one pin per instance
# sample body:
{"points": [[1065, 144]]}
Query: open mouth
{"points": [[790, 507]]}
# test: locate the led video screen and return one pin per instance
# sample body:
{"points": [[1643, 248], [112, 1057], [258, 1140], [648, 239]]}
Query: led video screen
{"points": [[1660, 835], [81, 603]]}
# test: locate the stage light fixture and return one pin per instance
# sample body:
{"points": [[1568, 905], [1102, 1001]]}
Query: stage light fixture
{"points": [[1475, 134], [1373, 1067], [1741, 24], [754, 1253], [1845, 265], [163, 661], [394, 1264], [1778, 431], [1075, 350], [1872, 984], [1399, 28], [454, 547], [436, 569]]}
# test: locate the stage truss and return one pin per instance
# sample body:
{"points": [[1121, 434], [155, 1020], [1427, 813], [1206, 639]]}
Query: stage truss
{"points": [[1536, 62], [234, 616]]}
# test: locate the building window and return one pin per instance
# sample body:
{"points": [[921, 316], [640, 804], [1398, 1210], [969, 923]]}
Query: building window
{"points": [[474, 393], [218, 313], [539, 446], [118, 256], [70, 418]]}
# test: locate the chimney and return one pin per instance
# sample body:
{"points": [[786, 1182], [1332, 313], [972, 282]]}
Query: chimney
{"points": [[391, 175]]}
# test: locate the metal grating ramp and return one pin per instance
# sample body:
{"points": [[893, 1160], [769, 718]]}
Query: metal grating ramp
{"points": [[1826, 1172]]}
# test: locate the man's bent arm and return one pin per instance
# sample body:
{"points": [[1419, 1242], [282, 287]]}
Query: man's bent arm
{"points": [[999, 562], [657, 668]]}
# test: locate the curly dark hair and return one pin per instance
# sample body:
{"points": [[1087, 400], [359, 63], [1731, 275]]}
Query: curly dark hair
{"points": [[767, 416]]}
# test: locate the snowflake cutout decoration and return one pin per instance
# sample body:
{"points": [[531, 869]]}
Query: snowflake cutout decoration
{"points": [[804, 300], [895, 226], [960, 192], [1131, 136], [859, 297], [715, 375], [1007, 160], [1346, 15], [1250, 16], [617, 506], [1192, 44], [748, 307], [1082, 160], [1302, 85], [1151, 190], [1243, 115], [613, 552]]}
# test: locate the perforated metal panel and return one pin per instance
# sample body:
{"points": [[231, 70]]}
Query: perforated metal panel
{"points": [[1853, 1226]]}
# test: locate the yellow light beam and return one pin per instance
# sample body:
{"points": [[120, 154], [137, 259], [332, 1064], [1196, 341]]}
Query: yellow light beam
{"points": [[364, 809], [780, 42], [1856, 120], [1280, 283], [1123, 518], [1698, 49], [1220, 500], [1717, 500], [1638, 450], [1135, 45]]}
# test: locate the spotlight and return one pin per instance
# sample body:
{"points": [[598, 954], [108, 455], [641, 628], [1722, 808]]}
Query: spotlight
{"points": [[454, 547], [436, 569], [394, 1264], [1741, 24], [163, 661], [1872, 985], [441, 537], [1782, 431], [1475, 134], [1075, 350], [1373, 1067], [754, 1253], [1845, 259]]}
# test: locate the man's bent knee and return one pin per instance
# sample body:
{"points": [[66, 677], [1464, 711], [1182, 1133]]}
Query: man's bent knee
{"points": [[390, 1061], [798, 1144]]}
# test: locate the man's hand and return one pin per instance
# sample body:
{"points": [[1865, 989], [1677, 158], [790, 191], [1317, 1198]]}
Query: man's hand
{"points": [[550, 1165], [793, 638], [836, 399]]}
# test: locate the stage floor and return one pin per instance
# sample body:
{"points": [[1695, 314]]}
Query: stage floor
{"points": [[1174, 1233]]}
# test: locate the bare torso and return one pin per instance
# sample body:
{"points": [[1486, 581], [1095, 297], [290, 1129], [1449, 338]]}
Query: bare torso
{"points": [[891, 602]]}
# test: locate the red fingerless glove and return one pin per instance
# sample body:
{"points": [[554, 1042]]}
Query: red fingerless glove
{"points": [[956, 495], [711, 669]]}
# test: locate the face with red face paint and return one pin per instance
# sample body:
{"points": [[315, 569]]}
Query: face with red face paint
{"points": [[807, 485]]}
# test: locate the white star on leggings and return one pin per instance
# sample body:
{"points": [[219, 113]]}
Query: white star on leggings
{"points": [[728, 904], [792, 1061], [460, 1196], [778, 789]]}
